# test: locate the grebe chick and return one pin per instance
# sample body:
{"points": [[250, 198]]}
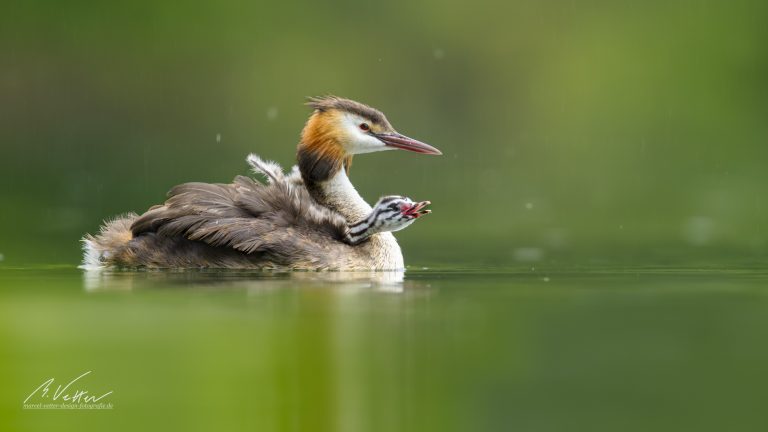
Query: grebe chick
{"points": [[311, 218], [391, 213]]}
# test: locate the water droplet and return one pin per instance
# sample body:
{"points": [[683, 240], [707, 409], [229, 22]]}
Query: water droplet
{"points": [[528, 254], [438, 54], [218, 137], [528, 206], [272, 113], [699, 230]]}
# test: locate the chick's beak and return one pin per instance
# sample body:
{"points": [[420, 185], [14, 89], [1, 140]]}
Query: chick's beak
{"points": [[403, 142], [417, 210]]}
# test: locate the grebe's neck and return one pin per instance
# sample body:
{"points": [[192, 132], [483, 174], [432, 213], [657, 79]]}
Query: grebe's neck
{"points": [[324, 168], [339, 194]]}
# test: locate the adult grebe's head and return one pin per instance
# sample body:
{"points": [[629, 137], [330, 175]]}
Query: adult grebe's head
{"points": [[340, 128]]}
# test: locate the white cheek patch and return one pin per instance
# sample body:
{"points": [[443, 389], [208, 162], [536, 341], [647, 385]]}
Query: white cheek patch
{"points": [[360, 141]]}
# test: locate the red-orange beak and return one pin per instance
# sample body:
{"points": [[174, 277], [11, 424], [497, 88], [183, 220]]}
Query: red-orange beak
{"points": [[403, 142], [416, 210]]}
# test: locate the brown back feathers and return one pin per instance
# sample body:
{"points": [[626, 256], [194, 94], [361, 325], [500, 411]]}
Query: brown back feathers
{"points": [[242, 224]]}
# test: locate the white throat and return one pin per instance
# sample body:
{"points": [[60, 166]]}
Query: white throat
{"points": [[341, 195]]}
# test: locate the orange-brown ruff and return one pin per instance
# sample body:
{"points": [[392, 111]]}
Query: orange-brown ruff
{"points": [[298, 220], [321, 136]]}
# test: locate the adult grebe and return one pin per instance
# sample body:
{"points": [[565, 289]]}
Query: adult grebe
{"points": [[311, 218]]}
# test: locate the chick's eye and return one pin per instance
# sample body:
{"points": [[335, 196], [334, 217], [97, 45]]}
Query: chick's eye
{"points": [[365, 127]]}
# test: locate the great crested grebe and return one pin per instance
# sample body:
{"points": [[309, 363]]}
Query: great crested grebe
{"points": [[311, 218]]}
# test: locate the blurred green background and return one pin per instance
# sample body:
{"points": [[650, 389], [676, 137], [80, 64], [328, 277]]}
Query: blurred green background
{"points": [[595, 258], [586, 131]]}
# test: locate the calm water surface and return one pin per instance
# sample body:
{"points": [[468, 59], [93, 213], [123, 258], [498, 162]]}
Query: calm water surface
{"points": [[441, 350]]}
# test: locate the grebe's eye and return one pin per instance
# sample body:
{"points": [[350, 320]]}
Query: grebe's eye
{"points": [[364, 127]]}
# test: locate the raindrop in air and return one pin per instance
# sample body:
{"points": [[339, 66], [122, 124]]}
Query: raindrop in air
{"points": [[272, 113]]}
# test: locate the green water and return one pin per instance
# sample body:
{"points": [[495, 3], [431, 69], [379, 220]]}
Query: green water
{"points": [[592, 349]]}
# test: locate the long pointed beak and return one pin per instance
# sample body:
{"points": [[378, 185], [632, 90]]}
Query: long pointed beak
{"points": [[403, 142]]}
